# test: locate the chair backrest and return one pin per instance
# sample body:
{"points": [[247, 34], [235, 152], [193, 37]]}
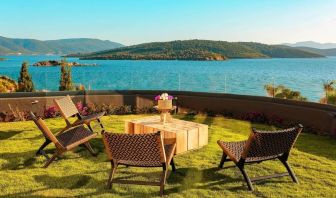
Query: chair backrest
{"points": [[45, 130], [66, 106], [147, 148], [271, 143]]}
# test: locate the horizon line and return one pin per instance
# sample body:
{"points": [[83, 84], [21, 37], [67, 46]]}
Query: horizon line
{"points": [[281, 43]]}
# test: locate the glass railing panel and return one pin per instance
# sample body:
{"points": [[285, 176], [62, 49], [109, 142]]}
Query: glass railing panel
{"points": [[241, 76]]}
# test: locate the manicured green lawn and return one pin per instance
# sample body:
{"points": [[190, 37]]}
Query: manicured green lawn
{"points": [[79, 174]]}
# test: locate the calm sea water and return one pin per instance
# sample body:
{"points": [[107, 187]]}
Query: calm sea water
{"points": [[241, 76]]}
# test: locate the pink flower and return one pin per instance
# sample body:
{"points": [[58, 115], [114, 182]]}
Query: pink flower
{"points": [[164, 96], [79, 106], [50, 112], [85, 111], [157, 97]]}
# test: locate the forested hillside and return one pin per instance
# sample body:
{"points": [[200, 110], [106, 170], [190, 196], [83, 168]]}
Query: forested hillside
{"points": [[200, 50], [62, 46]]}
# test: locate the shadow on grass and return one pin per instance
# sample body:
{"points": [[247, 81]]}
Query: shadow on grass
{"points": [[16, 161], [208, 120], [207, 179], [189, 117], [213, 179], [53, 182], [9, 134], [67, 182], [83, 181], [28, 159], [96, 143], [317, 145]]}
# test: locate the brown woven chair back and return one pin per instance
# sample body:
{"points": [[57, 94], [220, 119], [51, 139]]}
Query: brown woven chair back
{"points": [[270, 143], [142, 148], [66, 106]]}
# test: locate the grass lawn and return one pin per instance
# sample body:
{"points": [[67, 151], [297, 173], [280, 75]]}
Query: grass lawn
{"points": [[313, 159]]}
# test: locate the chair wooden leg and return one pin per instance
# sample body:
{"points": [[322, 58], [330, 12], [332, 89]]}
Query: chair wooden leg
{"points": [[90, 149], [221, 164], [101, 125], [290, 171], [246, 177], [40, 151], [113, 170], [172, 163], [51, 160], [163, 179], [89, 126]]}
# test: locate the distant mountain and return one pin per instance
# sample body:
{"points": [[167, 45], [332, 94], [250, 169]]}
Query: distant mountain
{"points": [[312, 44], [62, 46], [324, 52], [200, 50]]}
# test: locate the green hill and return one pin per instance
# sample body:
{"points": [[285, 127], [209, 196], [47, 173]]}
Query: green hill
{"points": [[62, 46], [324, 52], [199, 50]]}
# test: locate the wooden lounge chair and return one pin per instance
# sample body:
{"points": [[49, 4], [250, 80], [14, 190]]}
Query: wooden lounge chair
{"points": [[65, 141], [68, 109], [139, 150], [261, 146]]}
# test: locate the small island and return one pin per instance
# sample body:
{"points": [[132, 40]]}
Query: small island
{"points": [[51, 63], [2, 59], [198, 50]]}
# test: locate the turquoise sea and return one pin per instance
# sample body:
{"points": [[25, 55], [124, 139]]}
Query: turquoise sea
{"points": [[239, 76]]}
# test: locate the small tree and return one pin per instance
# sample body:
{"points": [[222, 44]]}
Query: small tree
{"points": [[330, 92], [272, 90], [66, 79], [7, 85], [25, 81], [283, 92]]}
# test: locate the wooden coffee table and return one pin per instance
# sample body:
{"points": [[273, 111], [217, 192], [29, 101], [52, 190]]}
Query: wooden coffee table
{"points": [[187, 135]]}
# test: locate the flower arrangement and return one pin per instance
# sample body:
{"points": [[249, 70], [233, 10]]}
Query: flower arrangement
{"points": [[165, 104], [164, 96], [50, 112], [84, 110]]}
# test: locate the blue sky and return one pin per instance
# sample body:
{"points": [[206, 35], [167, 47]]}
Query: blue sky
{"points": [[139, 21]]}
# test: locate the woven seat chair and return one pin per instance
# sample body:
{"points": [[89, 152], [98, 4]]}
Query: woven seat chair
{"points": [[65, 141], [139, 150], [261, 146], [68, 109]]}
